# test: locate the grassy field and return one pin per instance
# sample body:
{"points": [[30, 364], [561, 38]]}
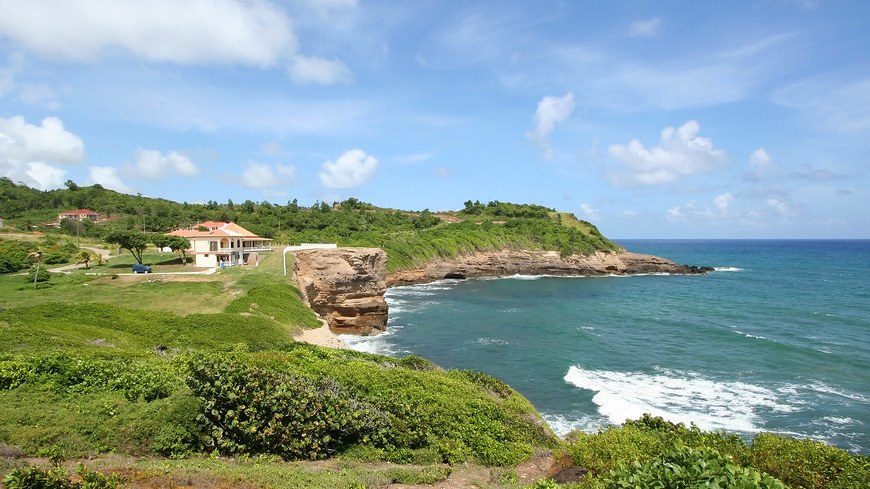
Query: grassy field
{"points": [[195, 380]]}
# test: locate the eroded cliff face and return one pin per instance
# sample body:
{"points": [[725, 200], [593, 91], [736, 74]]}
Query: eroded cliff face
{"points": [[346, 287], [511, 262]]}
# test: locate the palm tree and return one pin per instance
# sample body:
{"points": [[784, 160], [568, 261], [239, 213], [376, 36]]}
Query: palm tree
{"points": [[85, 257], [37, 253]]}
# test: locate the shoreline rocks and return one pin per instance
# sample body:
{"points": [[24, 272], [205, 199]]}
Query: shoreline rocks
{"points": [[505, 263], [345, 286]]}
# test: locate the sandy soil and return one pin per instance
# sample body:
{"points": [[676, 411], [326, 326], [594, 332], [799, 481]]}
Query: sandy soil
{"points": [[321, 336]]}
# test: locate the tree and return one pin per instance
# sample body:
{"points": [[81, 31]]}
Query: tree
{"points": [[178, 244], [133, 241], [85, 257], [71, 185]]}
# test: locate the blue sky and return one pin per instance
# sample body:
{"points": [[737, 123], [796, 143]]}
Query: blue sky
{"points": [[652, 119]]}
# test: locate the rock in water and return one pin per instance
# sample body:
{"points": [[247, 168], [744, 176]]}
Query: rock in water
{"points": [[346, 287]]}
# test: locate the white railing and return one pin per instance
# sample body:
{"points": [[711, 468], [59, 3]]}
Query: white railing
{"points": [[245, 249], [306, 246]]}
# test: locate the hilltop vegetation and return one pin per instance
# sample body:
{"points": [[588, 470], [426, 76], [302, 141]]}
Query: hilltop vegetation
{"points": [[409, 238]]}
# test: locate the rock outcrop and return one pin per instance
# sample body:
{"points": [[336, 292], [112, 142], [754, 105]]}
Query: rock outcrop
{"points": [[345, 286], [512, 262]]}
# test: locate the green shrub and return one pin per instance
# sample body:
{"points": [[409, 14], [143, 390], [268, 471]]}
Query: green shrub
{"points": [[137, 380], [39, 274], [39, 478], [56, 258], [686, 467], [255, 410], [808, 464]]}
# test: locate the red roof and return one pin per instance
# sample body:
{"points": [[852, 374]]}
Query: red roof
{"points": [[81, 212], [223, 229]]}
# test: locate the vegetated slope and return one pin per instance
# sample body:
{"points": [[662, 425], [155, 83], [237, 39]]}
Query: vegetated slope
{"points": [[85, 378], [409, 238]]}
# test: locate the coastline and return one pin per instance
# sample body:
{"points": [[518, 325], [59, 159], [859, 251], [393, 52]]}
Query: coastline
{"points": [[508, 263], [346, 286], [322, 336]]}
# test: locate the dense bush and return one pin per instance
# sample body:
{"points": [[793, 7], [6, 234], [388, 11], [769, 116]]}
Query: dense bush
{"points": [[38, 274], [809, 464], [256, 410], [652, 452], [39, 478], [686, 467], [136, 380]]}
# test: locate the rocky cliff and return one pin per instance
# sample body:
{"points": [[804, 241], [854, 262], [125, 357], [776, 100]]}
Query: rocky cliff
{"points": [[511, 262], [346, 287]]}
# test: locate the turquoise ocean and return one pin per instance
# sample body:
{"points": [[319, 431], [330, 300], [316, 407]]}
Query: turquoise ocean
{"points": [[777, 339]]}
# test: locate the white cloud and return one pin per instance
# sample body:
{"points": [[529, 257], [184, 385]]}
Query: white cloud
{"points": [[247, 32], [444, 172], [266, 177], [153, 165], [550, 111], [44, 175], [254, 32], [723, 201], [31, 153], [351, 169], [108, 177], [780, 207], [590, 213], [760, 158], [680, 152], [413, 158], [831, 104], [49, 141], [645, 28], [272, 149], [315, 70]]}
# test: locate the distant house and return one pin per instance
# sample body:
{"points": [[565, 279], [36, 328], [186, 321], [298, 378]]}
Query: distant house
{"points": [[223, 244], [78, 215]]}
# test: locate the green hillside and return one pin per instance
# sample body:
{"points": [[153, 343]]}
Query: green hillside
{"points": [[407, 237]]}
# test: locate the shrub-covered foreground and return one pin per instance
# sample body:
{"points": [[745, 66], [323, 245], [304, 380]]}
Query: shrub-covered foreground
{"points": [[302, 403], [651, 452]]}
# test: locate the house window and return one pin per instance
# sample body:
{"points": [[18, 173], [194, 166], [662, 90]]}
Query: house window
{"points": [[212, 246]]}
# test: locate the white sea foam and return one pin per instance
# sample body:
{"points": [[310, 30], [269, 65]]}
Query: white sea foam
{"points": [[379, 344], [562, 425], [840, 420], [727, 269], [826, 389], [525, 277], [678, 397], [749, 335], [491, 341]]}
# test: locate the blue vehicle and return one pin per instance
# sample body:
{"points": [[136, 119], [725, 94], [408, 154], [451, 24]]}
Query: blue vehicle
{"points": [[140, 268]]}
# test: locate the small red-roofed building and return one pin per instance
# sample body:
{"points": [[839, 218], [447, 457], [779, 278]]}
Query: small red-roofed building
{"points": [[78, 215], [223, 244]]}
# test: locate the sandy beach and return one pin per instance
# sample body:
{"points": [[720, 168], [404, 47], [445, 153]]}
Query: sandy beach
{"points": [[321, 336]]}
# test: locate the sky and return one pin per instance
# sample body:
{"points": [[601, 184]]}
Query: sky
{"points": [[651, 119]]}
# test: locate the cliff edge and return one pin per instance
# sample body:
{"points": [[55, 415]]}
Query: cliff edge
{"points": [[345, 286], [525, 262]]}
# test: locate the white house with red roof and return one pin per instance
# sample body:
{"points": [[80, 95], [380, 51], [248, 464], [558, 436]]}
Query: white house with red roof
{"points": [[78, 215], [222, 244]]}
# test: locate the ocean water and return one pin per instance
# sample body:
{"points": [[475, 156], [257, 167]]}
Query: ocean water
{"points": [[777, 339]]}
